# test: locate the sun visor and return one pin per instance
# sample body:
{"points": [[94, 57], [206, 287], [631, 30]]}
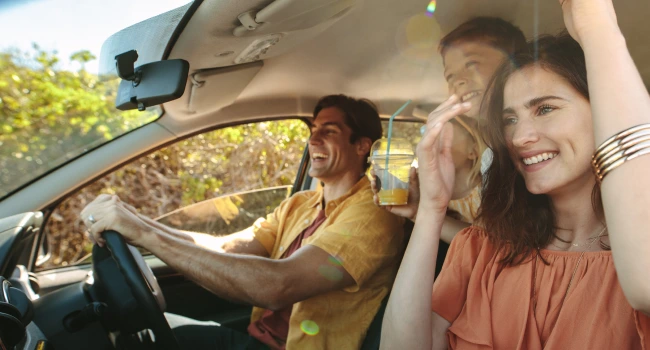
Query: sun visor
{"points": [[212, 89], [290, 15]]}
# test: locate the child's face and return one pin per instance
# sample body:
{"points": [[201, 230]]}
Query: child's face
{"points": [[468, 69]]}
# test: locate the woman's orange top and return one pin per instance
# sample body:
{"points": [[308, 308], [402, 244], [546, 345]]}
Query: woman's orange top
{"points": [[490, 306]]}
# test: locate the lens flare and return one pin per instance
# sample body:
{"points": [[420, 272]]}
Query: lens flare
{"points": [[345, 233], [417, 40], [431, 8], [331, 273], [309, 327], [336, 261]]}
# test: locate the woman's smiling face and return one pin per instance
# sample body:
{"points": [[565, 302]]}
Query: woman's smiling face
{"points": [[548, 130]]}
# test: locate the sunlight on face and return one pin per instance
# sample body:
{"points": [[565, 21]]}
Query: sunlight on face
{"points": [[468, 69], [548, 130]]}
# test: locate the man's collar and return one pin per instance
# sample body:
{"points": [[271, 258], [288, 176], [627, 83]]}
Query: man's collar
{"points": [[317, 200]]}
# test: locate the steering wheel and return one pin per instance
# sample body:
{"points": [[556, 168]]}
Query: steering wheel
{"points": [[144, 287]]}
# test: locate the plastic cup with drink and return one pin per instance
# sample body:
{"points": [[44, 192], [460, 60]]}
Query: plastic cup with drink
{"points": [[391, 160], [391, 167]]}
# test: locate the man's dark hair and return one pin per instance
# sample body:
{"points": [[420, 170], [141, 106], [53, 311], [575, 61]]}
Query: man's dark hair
{"points": [[493, 31], [360, 115]]}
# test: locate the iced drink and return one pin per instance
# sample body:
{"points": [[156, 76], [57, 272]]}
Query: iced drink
{"points": [[396, 196], [392, 170]]}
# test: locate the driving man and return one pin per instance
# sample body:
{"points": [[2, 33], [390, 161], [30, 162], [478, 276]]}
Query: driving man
{"points": [[316, 269]]}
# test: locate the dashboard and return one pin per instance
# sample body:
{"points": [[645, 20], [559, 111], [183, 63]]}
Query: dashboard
{"points": [[97, 311], [17, 329]]}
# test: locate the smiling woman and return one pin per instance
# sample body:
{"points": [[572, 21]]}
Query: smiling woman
{"points": [[539, 264], [542, 108]]}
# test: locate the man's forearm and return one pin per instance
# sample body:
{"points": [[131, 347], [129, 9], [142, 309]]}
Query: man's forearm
{"points": [[240, 242], [231, 276], [181, 234]]}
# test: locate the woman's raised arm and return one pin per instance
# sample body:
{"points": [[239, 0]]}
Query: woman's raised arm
{"points": [[619, 101], [408, 321]]}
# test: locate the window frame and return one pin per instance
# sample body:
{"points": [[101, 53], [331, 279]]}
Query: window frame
{"points": [[41, 240]]}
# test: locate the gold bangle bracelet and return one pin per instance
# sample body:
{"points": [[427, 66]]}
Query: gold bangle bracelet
{"points": [[632, 145], [621, 135], [619, 158], [609, 146], [618, 149], [606, 170], [602, 172], [611, 159]]}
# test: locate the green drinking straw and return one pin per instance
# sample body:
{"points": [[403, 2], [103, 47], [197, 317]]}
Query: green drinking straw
{"points": [[390, 134]]}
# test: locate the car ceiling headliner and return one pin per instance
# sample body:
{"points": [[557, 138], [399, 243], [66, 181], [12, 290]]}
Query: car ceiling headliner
{"points": [[384, 50]]}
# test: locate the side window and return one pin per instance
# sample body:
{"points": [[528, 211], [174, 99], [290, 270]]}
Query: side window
{"points": [[227, 214], [218, 182]]}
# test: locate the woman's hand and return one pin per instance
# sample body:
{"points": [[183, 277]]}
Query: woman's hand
{"points": [[408, 210], [588, 17], [436, 166], [108, 212]]}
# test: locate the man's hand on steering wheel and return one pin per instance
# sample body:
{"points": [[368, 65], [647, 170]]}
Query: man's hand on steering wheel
{"points": [[122, 225], [108, 212]]}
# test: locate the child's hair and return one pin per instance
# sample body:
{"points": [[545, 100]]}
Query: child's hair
{"points": [[470, 125], [492, 31]]}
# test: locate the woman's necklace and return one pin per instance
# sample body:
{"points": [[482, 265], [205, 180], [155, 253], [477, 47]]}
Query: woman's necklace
{"points": [[589, 242]]}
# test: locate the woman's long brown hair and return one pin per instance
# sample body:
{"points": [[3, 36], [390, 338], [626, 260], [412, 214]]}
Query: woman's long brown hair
{"points": [[517, 221]]}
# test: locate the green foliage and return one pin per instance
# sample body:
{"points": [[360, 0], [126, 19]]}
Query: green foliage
{"points": [[230, 160], [48, 115], [82, 56], [406, 130]]}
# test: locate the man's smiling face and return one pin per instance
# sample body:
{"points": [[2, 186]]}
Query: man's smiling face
{"points": [[332, 154]]}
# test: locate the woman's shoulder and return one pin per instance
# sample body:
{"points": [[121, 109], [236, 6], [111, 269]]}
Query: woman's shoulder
{"points": [[473, 233], [471, 242]]}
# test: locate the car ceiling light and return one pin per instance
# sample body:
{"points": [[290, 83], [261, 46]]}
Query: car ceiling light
{"points": [[258, 48]]}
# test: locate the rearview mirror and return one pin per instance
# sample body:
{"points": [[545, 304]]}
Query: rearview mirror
{"points": [[149, 84]]}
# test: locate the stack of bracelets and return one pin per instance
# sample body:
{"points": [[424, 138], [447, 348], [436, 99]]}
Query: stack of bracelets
{"points": [[620, 148]]}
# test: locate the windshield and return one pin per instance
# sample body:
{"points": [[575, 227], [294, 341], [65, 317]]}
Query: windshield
{"points": [[54, 104]]}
